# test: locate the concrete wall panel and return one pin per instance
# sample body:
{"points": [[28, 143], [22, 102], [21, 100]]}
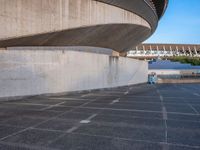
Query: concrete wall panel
{"points": [[32, 72]]}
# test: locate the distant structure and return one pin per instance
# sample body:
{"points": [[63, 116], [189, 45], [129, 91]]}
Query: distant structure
{"points": [[146, 51]]}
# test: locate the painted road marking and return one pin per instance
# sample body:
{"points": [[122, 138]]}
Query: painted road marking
{"points": [[88, 120], [196, 94], [161, 98], [115, 101], [85, 121], [126, 92], [164, 112], [72, 129], [51, 106], [193, 109]]}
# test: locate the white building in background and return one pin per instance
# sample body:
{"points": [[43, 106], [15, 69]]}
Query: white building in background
{"points": [[164, 50]]}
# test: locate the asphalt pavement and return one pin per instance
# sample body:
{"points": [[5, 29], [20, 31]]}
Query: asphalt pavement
{"points": [[140, 117]]}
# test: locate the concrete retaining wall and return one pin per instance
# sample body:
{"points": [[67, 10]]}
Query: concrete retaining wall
{"points": [[32, 72]]}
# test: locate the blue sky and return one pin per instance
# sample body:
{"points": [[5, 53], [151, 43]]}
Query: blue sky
{"points": [[180, 24]]}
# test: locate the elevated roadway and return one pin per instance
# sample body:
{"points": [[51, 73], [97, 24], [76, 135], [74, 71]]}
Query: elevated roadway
{"points": [[114, 24]]}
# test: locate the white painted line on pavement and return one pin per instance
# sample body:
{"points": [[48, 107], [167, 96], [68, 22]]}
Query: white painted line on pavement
{"points": [[115, 101], [164, 111], [85, 121], [91, 117], [72, 129], [196, 94], [193, 109], [63, 98], [86, 95], [161, 98], [88, 120], [126, 92], [51, 106]]}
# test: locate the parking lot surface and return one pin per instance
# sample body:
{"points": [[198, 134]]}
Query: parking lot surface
{"points": [[141, 117]]}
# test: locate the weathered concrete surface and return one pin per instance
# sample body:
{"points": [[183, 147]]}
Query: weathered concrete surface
{"points": [[117, 36], [31, 72], [71, 23]]}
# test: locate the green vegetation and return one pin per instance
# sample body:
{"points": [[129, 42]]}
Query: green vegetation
{"points": [[195, 61]]}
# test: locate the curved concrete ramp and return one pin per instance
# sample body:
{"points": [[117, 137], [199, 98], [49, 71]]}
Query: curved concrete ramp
{"points": [[113, 36], [115, 24]]}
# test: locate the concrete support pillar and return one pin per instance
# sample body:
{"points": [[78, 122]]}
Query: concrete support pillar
{"points": [[183, 48], [190, 51], [144, 49], [171, 50], [198, 51], [136, 48], [151, 53], [164, 50], [177, 51], [141, 51], [157, 50], [195, 49]]}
